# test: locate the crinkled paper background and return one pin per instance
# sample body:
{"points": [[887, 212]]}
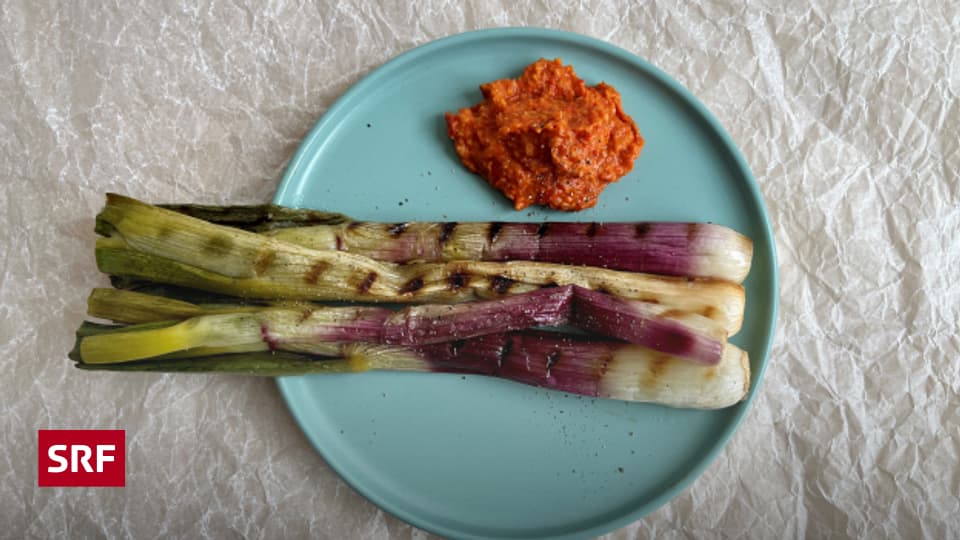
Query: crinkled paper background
{"points": [[846, 111]]}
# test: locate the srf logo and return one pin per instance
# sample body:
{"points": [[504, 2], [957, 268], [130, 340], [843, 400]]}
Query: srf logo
{"points": [[81, 457]]}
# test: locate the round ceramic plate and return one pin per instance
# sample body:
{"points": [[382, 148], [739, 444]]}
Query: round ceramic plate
{"points": [[472, 457]]}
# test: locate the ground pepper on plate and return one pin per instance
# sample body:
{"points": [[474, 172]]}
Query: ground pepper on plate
{"points": [[546, 138]]}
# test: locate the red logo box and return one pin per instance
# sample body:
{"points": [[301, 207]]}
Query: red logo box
{"points": [[81, 458]]}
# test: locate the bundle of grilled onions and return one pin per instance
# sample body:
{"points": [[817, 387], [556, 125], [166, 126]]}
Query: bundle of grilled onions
{"points": [[629, 311]]}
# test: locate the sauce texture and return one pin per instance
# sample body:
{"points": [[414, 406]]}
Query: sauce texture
{"points": [[547, 138]]}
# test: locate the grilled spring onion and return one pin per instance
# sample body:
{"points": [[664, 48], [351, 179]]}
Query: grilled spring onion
{"points": [[602, 368], [259, 363], [132, 307], [575, 364], [685, 335], [285, 324], [148, 242], [120, 306], [676, 249], [323, 330], [259, 217]]}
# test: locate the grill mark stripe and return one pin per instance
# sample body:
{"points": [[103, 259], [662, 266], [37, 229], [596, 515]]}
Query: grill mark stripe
{"points": [[501, 284], [446, 232], [504, 354], [458, 280], [552, 358], [397, 228], [218, 246], [493, 231], [263, 261], [313, 275], [413, 285], [367, 282]]}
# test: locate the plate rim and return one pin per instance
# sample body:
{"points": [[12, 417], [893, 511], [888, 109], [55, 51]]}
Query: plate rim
{"points": [[313, 138]]}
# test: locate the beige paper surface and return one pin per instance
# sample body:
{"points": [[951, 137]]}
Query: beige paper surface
{"points": [[848, 115]]}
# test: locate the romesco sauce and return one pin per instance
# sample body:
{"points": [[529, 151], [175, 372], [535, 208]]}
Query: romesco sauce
{"points": [[547, 138]]}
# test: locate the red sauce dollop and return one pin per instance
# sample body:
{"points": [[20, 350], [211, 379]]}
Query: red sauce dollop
{"points": [[547, 138]]}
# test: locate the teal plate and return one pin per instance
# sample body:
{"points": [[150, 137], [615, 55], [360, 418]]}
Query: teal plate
{"points": [[472, 457]]}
